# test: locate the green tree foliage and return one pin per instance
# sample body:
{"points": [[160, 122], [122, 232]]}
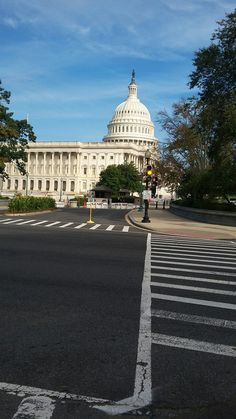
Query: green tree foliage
{"points": [[215, 76], [184, 157], [14, 136], [200, 155], [123, 176]]}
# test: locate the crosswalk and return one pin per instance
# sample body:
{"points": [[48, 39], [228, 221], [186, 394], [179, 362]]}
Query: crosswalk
{"points": [[64, 225], [193, 282]]}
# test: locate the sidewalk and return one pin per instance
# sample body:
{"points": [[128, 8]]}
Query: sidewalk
{"points": [[164, 222]]}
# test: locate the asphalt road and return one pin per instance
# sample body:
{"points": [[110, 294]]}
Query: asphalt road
{"points": [[69, 308], [76, 305]]}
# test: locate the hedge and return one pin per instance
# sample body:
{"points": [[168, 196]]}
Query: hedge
{"points": [[30, 203], [205, 204]]}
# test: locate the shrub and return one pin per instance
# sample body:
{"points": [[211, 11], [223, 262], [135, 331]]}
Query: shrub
{"points": [[206, 204], [30, 203]]}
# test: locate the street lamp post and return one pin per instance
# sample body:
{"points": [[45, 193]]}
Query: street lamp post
{"points": [[146, 218]]}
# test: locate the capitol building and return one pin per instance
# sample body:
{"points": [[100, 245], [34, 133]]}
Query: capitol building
{"points": [[63, 170]]}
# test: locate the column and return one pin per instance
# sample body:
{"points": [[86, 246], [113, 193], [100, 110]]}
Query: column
{"points": [[53, 163], [36, 163], [44, 163], [69, 163], [60, 171]]}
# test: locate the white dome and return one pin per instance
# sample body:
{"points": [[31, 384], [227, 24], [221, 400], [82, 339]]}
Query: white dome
{"points": [[131, 121]]}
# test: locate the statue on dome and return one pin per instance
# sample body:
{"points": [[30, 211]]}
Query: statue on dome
{"points": [[133, 77]]}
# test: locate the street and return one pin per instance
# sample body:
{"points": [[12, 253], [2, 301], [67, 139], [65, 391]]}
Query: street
{"points": [[111, 321]]}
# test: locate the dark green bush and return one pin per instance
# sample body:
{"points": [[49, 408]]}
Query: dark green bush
{"points": [[206, 204], [30, 203]]}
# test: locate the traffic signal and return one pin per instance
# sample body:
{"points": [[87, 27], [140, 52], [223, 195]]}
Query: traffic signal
{"points": [[149, 170]]}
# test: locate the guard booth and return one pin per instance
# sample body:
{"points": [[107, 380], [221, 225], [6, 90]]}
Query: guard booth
{"points": [[101, 196]]}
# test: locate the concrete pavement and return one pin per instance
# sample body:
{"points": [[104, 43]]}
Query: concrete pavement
{"points": [[164, 222]]}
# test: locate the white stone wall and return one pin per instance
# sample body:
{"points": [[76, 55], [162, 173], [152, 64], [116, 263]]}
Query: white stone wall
{"points": [[63, 170]]}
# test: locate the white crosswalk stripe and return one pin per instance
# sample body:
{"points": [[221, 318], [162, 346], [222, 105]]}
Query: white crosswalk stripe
{"points": [[193, 345], [25, 222], [65, 225], [81, 225], [95, 227], [110, 227], [13, 221], [191, 318], [125, 229], [53, 224], [40, 223], [174, 262]]}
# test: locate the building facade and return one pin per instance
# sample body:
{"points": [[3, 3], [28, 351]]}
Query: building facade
{"points": [[67, 169]]}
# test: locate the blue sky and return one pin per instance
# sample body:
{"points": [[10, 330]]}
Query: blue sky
{"points": [[68, 63]]}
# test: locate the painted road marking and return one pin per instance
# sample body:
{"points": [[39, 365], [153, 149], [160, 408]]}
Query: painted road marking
{"points": [[81, 225], [193, 271], [95, 227], [189, 288], [192, 318], [143, 381], [158, 257], [195, 264], [176, 253], [4, 220], [194, 301], [197, 241], [110, 227], [65, 225], [13, 221], [125, 229], [193, 345], [53, 224], [192, 278], [193, 252], [193, 247], [39, 407], [25, 222], [22, 391], [40, 222]]}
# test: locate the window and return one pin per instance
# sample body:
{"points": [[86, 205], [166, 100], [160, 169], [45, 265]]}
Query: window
{"points": [[111, 157], [47, 185], [103, 157], [16, 184], [39, 185], [85, 157], [8, 184], [64, 185], [31, 185], [55, 185], [24, 184], [94, 157], [85, 170], [72, 186], [93, 171]]}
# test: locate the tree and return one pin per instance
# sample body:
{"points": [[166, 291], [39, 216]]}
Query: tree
{"points": [[123, 176], [184, 157], [14, 136], [215, 76]]}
